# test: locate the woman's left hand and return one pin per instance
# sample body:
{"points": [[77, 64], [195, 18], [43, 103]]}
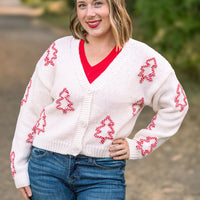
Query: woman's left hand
{"points": [[119, 149]]}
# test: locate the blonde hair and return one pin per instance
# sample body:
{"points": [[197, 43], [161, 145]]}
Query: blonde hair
{"points": [[120, 23]]}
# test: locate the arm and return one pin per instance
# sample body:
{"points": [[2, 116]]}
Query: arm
{"points": [[36, 97], [170, 105]]}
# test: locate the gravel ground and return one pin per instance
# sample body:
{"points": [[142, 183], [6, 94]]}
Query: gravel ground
{"points": [[171, 173]]}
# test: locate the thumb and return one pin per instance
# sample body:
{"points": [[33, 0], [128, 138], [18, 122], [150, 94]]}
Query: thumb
{"points": [[28, 191]]}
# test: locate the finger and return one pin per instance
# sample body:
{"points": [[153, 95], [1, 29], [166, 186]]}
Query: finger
{"points": [[118, 141], [118, 153], [124, 157], [118, 144], [24, 194], [116, 147], [28, 191]]}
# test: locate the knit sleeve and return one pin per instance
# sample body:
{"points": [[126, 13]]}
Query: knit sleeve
{"points": [[170, 105], [36, 97]]}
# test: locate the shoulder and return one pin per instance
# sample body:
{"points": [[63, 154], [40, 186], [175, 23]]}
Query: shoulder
{"points": [[142, 50], [149, 66], [58, 50], [145, 55], [54, 53], [66, 41]]}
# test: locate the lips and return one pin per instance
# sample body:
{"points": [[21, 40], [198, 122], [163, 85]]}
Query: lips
{"points": [[93, 24]]}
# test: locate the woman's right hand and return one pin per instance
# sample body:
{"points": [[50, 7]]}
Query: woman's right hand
{"points": [[26, 192]]}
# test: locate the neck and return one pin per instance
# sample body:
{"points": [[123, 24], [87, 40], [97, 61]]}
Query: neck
{"points": [[101, 42]]}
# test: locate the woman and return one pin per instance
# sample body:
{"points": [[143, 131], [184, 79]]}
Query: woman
{"points": [[81, 104]]}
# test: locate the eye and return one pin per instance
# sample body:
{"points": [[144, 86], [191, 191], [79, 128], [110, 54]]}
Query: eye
{"points": [[81, 5], [98, 3]]}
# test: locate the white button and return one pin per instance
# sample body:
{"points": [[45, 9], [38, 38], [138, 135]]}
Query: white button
{"points": [[89, 92]]}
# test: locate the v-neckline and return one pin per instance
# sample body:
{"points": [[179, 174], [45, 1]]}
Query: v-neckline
{"points": [[108, 57], [93, 72], [110, 71]]}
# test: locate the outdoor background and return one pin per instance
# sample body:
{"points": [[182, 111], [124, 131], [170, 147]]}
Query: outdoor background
{"points": [[171, 27]]}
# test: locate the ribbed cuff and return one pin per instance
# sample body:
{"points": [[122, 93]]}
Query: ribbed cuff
{"points": [[134, 153], [21, 179]]}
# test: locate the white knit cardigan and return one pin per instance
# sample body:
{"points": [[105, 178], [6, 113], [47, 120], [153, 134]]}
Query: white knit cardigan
{"points": [[62, 112]]}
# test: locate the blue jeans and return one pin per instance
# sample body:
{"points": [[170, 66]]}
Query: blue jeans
{"points": [[55, 176]]}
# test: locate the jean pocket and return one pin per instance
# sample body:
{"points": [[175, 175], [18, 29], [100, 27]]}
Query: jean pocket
{"points": [[109, 163], [38, 153]]}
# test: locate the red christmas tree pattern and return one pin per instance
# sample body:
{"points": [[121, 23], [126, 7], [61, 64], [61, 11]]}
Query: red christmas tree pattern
{"points": [[25, 98], [63, 102], [181, 99], [12, 160], [137, 106], [148, 70], [39, 127], [31, 136], [152, 124], [51, 55], [41, 123], [105, 130], [146, 145]]}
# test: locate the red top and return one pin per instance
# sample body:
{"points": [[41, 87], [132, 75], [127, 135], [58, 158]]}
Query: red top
{"points": [[92, 72]]}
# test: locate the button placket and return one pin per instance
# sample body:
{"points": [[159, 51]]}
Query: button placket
{"points": [[83, 121]]}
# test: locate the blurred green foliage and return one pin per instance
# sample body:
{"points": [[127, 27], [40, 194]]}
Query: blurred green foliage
{"points": [[171, 27], [36, 3]]}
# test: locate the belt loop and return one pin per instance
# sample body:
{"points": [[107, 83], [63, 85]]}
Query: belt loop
{"points": [[90, 160]]}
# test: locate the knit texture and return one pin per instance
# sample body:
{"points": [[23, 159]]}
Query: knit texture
{"points": [[92, 72], [62, 112]]}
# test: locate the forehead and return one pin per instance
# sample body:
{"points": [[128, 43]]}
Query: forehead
{"points": [[88, 0]]}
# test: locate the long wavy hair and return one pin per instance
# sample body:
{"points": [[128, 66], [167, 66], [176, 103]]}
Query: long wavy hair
{"points": [[121, 24]]}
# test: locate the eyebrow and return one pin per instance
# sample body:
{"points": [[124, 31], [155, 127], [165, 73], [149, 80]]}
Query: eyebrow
{"points": [[84, 1], [80, 1]]}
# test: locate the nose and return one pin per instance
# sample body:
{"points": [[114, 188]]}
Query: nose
{"points": [[90, 11]]}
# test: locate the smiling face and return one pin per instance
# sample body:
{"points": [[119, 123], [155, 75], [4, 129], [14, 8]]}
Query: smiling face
{"points": [[94, 18]]}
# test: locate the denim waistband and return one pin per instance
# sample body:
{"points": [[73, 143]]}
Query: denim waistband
{"points": [[79, 156]]}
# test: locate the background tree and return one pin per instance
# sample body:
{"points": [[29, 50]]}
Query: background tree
{"points": [[173, 28]]}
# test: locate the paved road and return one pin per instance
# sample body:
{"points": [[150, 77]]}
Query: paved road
{"points": [[23, 39], [170, 173]]}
